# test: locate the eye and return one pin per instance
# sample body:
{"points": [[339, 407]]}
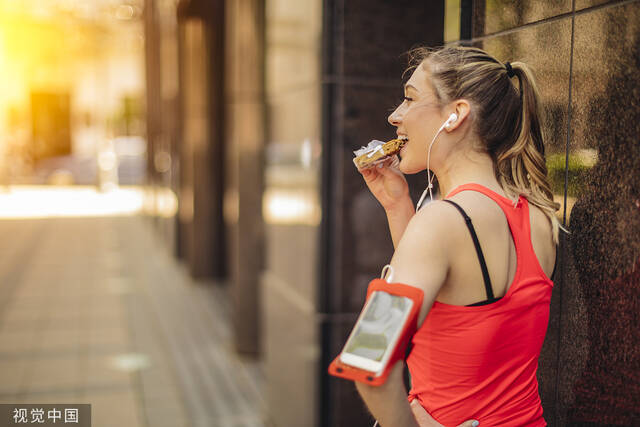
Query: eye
{"points": [[406, 98]]}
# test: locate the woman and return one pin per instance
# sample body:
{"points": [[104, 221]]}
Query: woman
{"points": [[475, 123]]}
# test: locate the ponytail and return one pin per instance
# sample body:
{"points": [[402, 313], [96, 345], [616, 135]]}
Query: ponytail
{"points": [[507, 117], [521, 166]]}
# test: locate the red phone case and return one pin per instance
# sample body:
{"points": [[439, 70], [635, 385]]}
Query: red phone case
{"points": [[339, 369]]}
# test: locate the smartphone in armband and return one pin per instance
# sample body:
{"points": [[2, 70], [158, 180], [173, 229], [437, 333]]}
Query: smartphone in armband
{"points": [[381, 334], [377, 332]]}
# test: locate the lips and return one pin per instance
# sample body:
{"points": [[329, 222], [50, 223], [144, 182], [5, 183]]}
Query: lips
{"points": [[405, 140]]}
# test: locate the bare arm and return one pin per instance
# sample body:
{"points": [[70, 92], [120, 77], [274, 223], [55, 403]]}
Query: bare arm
{"points": [[398, 218], [422, 263], [421, 259], [388, 403]]}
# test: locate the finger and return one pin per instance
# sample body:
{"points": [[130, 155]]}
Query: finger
{"points": [[370, 174], [386, 167], [470, 423], [390, 172], [368, 171]]}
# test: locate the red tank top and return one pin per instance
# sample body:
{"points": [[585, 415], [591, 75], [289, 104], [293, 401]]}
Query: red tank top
{"points": [[480, 362]]}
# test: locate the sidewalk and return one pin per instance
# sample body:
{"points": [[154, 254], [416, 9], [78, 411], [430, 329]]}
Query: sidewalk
{"points": [[94, 310]]}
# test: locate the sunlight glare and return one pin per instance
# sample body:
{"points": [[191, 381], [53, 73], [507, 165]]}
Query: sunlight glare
{"points": [[33, 201]]}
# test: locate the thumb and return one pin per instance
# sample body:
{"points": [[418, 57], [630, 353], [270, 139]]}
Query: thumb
{"points": [[470, 423]]}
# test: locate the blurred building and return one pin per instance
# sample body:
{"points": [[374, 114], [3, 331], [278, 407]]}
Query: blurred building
{"points": [[73, 80], [253, 111]]}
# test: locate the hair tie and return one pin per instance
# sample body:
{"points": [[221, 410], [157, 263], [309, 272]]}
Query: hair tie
{"points": [[510, 71]]}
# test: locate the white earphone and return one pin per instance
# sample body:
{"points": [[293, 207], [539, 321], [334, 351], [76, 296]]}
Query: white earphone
{"points": [[451, 120]]}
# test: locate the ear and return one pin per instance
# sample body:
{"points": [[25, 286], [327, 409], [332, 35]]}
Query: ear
{"points": [[462, 109]]}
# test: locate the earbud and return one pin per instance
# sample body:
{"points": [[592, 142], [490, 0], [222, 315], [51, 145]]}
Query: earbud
{"points": [[451, 120]]}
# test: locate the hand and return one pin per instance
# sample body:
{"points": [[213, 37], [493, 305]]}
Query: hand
{"points": [[387, 183], [426, 420]]}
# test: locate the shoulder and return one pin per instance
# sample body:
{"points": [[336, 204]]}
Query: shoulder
{"points": [[539, 220], [479, 206], [540, 224], [423, 256], [440, 224], [432, 225], [542, 238], [427, 243]]}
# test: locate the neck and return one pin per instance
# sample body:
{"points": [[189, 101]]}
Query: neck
{"points": [[468, 167]]}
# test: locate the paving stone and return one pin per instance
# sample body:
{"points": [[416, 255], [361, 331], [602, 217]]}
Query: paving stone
{"points": [[94, 295]]}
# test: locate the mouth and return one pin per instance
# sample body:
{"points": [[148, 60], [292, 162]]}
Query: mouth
{"points": [[405, 141]]}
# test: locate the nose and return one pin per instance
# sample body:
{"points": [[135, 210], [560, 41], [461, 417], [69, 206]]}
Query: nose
{"points": [[395, 118]]}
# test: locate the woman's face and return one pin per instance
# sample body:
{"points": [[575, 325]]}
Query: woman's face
{"points": [[418, 118]]}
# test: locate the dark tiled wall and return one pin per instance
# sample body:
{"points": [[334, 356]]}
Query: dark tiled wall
{"points": [[586, 57], [547, 49], [599, 375], [329, 90], [361, 79], [498, 15]]}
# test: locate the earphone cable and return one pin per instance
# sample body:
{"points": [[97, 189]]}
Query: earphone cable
{"points": [[429, 177]]}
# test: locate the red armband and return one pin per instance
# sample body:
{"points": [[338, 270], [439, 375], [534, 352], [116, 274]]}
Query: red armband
{"points": [[359, 345]]}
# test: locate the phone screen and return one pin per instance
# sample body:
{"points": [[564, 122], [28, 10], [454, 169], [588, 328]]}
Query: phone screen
{"points": [[377, 329]]}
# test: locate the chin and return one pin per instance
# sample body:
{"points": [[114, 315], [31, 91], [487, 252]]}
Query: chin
{"points": [[407, 168]]}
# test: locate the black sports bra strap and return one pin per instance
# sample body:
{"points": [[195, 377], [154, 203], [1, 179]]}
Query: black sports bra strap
{"points": [[476, 243]]}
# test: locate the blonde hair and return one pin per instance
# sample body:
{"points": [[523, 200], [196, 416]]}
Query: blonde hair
{"points": [[505, 118]]}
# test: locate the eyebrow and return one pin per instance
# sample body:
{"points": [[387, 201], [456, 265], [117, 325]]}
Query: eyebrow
{"points": [[408, 86]]}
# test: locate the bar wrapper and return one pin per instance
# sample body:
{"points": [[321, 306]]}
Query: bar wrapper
{"points": [[377, 152]]}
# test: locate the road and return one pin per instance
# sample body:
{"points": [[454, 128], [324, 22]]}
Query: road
{"points": [[95, 310]]}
